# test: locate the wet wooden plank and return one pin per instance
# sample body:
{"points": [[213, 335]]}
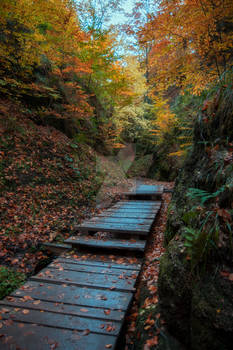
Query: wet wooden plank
{"points": [[61, 308], [135, 245], [136, 204], [128, 207], [102, 264], [127, 214], [139, 209], [121, 220], [92, 269], [63, 321], [23, 336], [145, 190], [118, 228], [70, 294], [139, 202], [93, 280], [56, 248]]}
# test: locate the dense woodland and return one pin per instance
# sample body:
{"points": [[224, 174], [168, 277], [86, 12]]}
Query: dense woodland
{"points": [[75, 87]]}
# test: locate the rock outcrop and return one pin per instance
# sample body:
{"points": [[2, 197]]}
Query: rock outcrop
{"points": [[196, 272]]}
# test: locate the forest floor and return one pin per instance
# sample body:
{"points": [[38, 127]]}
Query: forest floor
{"points": [[48, 185]]}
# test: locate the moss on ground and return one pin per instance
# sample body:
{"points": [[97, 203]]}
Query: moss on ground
{"points": [[10, 280]]}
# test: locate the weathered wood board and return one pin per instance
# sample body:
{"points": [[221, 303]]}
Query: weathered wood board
{"points": [[124, 224], [24, 336], [100, 263], [51, 319], [145, 191], [62, 308], [61, 264], [83, 278], [74, 295], [112, 244]]}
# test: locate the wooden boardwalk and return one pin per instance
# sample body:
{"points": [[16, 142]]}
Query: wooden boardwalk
{"points": [[81, 303], [145, 192]]}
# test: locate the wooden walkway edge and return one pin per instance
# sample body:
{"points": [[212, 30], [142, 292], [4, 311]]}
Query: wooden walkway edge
{"points": [[81, 303]]}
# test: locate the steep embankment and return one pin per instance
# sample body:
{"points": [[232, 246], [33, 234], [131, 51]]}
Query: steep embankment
{"points": [[196, 271], [46, 183]]}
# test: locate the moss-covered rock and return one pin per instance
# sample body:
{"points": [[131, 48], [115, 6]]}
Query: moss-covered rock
{"points": [[196, 300], [212, 313], [175, 285]]}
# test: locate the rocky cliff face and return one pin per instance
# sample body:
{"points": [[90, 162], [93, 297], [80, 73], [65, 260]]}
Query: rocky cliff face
{"points": [[196, 272]]}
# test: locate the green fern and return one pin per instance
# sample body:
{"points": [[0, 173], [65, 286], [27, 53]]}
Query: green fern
{"points": [[203, 196]]}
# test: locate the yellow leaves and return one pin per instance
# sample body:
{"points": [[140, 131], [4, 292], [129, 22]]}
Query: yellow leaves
{"points": [[189, 47], [164, 117], [179, 153]]}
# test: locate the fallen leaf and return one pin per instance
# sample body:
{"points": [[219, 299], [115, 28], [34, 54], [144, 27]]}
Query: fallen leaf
{"points": [[107, 312], [86, 332], [153, 341], [147, 327], [25, 311], [84, 310]]}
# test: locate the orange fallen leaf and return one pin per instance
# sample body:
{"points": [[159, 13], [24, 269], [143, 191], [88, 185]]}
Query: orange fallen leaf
{"points": [[84, 310], [25, 311], [86, 332], [153, 341], [147, 327], [107, 312]]}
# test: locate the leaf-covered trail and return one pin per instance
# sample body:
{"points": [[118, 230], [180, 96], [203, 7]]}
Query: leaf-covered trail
{"points": [[146, 296]]}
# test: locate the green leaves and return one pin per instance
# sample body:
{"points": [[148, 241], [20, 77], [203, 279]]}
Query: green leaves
{"points": [[190, 237], [202, 195]]}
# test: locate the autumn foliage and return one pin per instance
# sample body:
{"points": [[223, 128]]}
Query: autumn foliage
{"points": [[191, 43], [51, 63]]}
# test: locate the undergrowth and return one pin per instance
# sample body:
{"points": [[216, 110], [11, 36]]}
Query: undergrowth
{"points": [[9, 280]]}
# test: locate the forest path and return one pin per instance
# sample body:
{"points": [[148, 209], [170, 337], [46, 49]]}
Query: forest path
{"points": [[82, 302]]}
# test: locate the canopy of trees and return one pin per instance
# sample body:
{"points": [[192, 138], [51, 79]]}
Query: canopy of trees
{"points": [[61, 57]]}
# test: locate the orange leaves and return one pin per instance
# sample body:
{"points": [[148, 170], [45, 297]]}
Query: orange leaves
{"points": [[25, 311], [151, 342], [188, 47]]}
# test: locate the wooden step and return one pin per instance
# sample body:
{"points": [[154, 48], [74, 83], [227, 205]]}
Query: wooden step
{"points": [[145, 191], [120, 220], [133, 229], [61, 308], [22, 335], [51, 319], [121, 282], [56, 248], [100, 263], [90, 242], [74, 295], [122, 224]]}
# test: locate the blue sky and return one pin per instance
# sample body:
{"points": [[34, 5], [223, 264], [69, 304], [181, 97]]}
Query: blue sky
{"points": [[127, 5]]}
